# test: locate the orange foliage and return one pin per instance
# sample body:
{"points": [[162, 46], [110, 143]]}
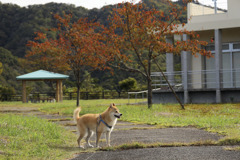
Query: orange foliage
{"points": [[144, 31], [78, 45]]}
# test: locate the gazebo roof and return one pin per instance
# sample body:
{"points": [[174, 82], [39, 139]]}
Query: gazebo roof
{"points": [[42, 75]]}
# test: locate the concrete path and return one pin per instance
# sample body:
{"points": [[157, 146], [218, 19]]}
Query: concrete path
{"points": [[125, 132], [164, 153]]}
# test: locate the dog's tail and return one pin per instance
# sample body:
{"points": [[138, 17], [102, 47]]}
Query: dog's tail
{"points": [[76, 114]]}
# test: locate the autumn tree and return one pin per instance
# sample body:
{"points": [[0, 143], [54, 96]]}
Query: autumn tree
{"points": [[142, 31], [79, 47]]}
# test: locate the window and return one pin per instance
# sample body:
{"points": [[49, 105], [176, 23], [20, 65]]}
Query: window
{"points": [[230, 66], [225, 47], [210, 72], [210, 47], [236, 46], [236, 69], [227, 70]]}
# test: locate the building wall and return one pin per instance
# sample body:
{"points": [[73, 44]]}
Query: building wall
{"points": [[198, 79], [233, 9], [198, 10], [228, 35], [197, 97], [231, 35], [230, 19], [225, 29], [206, 35]]}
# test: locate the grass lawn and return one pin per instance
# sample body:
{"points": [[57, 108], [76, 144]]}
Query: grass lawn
{"points": [[221, 118], [28, 137], [33, 138]]}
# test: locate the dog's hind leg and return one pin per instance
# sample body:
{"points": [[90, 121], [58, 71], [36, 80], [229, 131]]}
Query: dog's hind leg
{"points": [[90, 133], [81, 135], [108, 138], [79, 140]]}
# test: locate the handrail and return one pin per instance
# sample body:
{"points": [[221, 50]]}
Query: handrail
{"points": [[230, 78]]}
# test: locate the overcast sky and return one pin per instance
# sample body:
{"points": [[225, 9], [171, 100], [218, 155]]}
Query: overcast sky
{"points": [[92, 3], [84, 3]]}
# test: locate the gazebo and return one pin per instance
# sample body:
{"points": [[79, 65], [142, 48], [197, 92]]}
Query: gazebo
{"points": [[42, 75]]}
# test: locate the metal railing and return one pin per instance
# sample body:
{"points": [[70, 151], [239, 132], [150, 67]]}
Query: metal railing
{"points": [[206, 7], [203, 79], [174, 78], [140, 96], [50, 97]]}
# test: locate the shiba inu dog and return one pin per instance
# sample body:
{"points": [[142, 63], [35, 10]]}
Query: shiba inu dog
{"points": [[98, 123]]}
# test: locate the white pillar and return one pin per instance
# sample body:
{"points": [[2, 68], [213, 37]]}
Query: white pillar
{"points": [[186, 64], [218, 63]]}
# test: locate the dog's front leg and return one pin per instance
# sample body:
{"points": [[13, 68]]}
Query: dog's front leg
{"points": [[108, 138], [98, 138]]}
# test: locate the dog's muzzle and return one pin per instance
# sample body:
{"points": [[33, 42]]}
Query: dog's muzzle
{"points": [[118, 116]]}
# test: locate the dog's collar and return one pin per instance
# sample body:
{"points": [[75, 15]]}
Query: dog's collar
{"points": [[101, 120]]}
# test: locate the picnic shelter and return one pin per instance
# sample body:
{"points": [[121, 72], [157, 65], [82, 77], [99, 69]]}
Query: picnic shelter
{"points": [[42, 75]]}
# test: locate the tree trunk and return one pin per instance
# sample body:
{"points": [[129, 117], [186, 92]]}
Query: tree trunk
{"points": [[149, 81], [179, 101], [119, 94], [78, 95], [149, 97], [169, 85]]}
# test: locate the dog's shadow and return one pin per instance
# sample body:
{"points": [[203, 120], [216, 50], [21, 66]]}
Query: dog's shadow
{"points": [[68, 148]]}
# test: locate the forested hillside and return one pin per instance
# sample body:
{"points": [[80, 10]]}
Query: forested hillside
{"points": [[18, 24]]}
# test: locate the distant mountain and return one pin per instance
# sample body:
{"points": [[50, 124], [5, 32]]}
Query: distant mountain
{"points": [[18, 24]]}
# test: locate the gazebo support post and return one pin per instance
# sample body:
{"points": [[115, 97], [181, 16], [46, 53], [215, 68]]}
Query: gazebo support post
{"points": [[24, 92], [60, 91], [57, 91]]}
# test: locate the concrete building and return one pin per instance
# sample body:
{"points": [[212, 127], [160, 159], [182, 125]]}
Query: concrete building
{"points": [[203, 80]]}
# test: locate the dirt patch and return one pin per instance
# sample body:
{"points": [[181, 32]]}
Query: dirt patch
{"points": [[18, 109], [166, 114], [3, 142], [61, 119]]}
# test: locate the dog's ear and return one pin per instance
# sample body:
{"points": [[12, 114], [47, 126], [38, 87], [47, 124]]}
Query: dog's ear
{"points": [[111, 105]]}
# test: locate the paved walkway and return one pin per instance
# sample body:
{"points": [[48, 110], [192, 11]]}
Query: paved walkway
{"points": [[126, 132], [164, 153]]}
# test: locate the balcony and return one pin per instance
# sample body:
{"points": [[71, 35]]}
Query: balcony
{"points": [[207, 7], [197, 80]]}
